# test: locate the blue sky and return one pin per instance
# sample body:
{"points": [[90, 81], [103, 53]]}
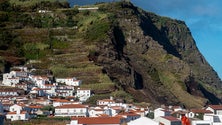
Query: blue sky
{"points": [[203, 17]]}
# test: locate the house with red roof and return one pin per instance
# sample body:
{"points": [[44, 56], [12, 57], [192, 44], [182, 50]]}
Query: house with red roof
{"points": [[17, 112], [198, 112], [60, 102], [16, 107], [216, 109], [216, 116], [96, 111], [10, 92], [129, 116], [161, 112], [18, 115], [96, 121], [77, 110]]}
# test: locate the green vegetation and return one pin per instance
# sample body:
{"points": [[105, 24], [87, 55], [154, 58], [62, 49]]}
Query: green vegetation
{"points": [[29, 3], [120, 94]]}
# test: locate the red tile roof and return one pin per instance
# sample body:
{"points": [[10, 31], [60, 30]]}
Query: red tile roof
{"points": [[11, 113], [170, 118], [97, 120], [72, 106], [128, 114], [35, 106], [216, 107], [200, 111], [60, 100]]}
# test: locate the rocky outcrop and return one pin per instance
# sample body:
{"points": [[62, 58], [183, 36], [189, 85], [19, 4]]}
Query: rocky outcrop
{"points": [[156, 60]]}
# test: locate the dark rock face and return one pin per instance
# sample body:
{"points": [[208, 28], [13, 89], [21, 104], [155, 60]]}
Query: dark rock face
{"points": [[156, 60]]}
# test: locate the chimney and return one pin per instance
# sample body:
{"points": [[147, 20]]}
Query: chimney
{"points": [[111, 98]]}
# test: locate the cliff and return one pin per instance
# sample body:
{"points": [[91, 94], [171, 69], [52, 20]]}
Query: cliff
{"points": [[156, 60]]}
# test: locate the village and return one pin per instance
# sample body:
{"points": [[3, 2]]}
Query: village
{"points": [[28, 94]]}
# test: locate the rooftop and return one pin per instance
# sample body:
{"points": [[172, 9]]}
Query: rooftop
{"points": [[97, 120]]}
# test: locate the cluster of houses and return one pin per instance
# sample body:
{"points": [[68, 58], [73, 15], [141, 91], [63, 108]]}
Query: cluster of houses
{"points": [[127, 114], [29, 96], [35, 85]]}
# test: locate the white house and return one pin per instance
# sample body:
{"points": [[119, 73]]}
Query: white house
{"points": [[168, 120], [201, 122], [60, 102], [16, 107], [17, 115], [10, 80], [214, 119], [69, 81], [19, 74], [216, 109], [65, 92], [40, 81], [114, 110], [96, 121], [35, 92], [142, 121], [83, 94], [95, 111], [105, 102], [129, 116], [8, 92], [196, 112], [20, 68], [88, 8], [161, 112], [77, 110]]}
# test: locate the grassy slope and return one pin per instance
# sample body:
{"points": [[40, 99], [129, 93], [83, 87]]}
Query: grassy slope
{"points": [[63, 48]]}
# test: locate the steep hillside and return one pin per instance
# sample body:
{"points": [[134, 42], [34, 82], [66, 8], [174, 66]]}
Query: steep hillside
{"points": [[117, 50]]}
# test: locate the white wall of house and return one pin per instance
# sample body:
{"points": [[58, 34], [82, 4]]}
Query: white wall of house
{"points": [[18, 116], [19, 74], [83, 94], [160, 112], [213, 118], [107, 102], [94, 112], [8, 93], [216, 112], [201, 122], [69, 81], [167, 122], [9, 80], [58, 103], [65, 92], [78, 112], [15, 107], [142, 120]]}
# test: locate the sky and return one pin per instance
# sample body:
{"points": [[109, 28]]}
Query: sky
{"points": [[204, 19]]}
